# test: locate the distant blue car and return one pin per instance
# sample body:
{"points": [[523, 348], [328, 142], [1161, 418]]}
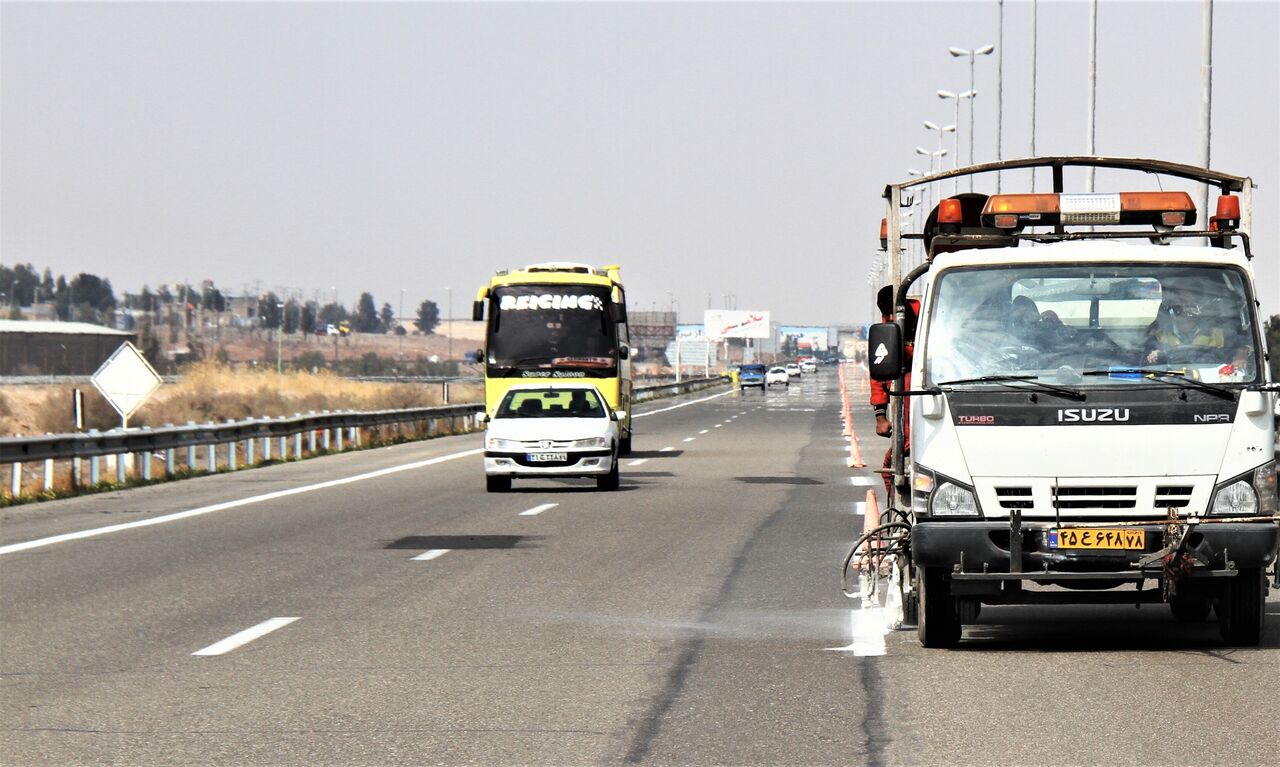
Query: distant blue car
{"points": [[751, 375]]}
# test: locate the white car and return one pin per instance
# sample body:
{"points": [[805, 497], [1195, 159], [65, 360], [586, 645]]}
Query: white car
{"points": [[808, 366], [777, 375], [561, 430], [793, 370]]}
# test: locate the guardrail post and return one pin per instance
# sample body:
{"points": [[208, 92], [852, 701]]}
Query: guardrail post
{"points": [[15, 486], [297, 445], [327, 434], [284, 448], [120, 468], [266, 448], [191, 452], [48, 474], [446, 392], [146, 464], [231, 450], [213, 454], [248, 450], [311, 433], [338, 433]]}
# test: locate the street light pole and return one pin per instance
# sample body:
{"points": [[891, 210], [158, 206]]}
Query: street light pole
{"points": [[931, 155], [999, 90], [450, 292], [1206, 94], [279, 338], [955, 140], [973, 54]]}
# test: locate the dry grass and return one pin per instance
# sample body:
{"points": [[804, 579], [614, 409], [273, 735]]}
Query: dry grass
{"points": [[212, 392]]}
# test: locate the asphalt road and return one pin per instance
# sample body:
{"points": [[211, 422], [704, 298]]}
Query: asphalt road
{"points": [[685, 619]]}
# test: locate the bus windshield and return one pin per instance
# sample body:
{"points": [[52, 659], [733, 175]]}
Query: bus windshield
{"points": [[1091, 324], [552, 327]]}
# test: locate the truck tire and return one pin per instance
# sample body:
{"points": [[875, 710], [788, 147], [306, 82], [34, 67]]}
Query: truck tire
{"points": [[497, 484], [608, 481], [1194, 609], [1242, 609], [939, 620]]}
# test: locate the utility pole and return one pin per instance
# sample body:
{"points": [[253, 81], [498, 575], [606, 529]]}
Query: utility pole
{"points": [[1091, 148], [1206, 97], [999, 90], [1034, 29]]}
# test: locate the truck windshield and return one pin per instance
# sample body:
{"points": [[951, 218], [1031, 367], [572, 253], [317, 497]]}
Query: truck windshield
{"points": [[1060, 323], [557, 327]]}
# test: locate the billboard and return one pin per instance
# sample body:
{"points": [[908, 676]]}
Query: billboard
{"points": [[690, 332], [731, 323], [808, 338]]}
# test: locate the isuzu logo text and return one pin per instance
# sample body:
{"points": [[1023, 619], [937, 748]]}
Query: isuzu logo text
{"points": [[1093, 415]]}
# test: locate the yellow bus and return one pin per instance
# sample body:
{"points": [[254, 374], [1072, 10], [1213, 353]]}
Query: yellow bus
{"points": [[555, 322]]}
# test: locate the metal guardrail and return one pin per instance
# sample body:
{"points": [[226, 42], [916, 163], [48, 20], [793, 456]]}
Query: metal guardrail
{"points": [[244, 442]]}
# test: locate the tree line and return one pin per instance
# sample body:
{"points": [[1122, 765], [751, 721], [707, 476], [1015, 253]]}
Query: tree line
{"points": [[90, 298]]}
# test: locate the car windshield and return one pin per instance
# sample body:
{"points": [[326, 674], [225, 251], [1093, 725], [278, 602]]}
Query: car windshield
{"points": [[1064, 324], [551, 403], [757, 369], [778, 370]]}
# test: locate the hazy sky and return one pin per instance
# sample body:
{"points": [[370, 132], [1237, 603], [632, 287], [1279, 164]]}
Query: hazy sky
{"points": [[708, 148]]}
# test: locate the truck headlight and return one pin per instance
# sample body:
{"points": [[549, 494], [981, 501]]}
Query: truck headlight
{"points": [[952, 500], [497, 443], [589, 442], [1252, 493], [940, 496]]}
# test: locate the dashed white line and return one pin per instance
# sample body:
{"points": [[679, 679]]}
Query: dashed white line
{"points": [[667, 449], [431, 554], [863, 481], [24, 546], [682, 404], [717, 426], [637, 461], [536, 510], [689, 439], [245, 637], [704, 431]]}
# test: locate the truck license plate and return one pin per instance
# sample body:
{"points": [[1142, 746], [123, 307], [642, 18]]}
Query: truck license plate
{"points": [[1097, 538], [546, 457]]}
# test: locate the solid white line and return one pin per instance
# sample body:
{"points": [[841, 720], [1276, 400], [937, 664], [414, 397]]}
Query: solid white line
{"points": [[704, 431], [863, 481], [245, 637], [689, 439], [682, 404], [24, 546], [536, 510], [637, 461], [432, 554]]}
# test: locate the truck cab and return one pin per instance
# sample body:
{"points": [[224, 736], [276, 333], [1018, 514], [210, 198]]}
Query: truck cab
{"points": [[1091, 418]]}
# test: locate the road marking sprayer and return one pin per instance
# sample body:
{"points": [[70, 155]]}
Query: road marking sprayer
{"points": [[1092, 417]]}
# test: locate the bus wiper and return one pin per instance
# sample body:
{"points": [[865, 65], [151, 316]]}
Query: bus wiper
{"points": [[1173, 376], [1030, 380]]}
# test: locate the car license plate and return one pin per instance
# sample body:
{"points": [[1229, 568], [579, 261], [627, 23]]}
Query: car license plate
{"points": [[546, 457], [1098, 538]]}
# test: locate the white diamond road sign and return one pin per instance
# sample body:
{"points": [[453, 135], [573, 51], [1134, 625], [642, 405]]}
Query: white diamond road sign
{"points": [[126, 379]]}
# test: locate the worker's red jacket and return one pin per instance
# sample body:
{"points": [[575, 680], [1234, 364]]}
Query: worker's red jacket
{"points": [[880, 389]]}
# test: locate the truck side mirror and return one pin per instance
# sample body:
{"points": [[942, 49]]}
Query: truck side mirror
{"points": [[619, 312], [624, 351], [477, 311], [480, 356], [884, 347]]}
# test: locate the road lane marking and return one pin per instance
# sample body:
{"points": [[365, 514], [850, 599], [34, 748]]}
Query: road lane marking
{"points": [[433, 553], [689, 439], [717, 426], [864, 481], [682, 404], [666, 449], [638, 462], [26, 545], [868, 628], [245, 637], [704, 431], [860, 507], [536, 510]]}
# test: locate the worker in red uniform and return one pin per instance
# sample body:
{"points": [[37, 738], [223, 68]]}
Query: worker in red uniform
{"points": [[880, 389]]}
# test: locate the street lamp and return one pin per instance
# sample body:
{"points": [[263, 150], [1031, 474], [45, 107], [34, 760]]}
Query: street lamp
{"points": [[450, 292], [938, 154], [279, 337], [983, 51], [948, 129], [955, 159]]}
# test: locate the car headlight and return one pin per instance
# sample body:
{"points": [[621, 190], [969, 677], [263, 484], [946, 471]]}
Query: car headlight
{"points": [[589, 442], [1247, 495], [939, 496], [497, 443]]}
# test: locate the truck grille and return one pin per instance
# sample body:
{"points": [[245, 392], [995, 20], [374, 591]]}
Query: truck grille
{"points": [[1095, 497], [1060, 497]]}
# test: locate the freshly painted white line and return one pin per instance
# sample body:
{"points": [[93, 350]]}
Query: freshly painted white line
{"points": [[860, 507], [666, 449], [704, 431], [536, 510], [689, 439], [682, 404], [433, 553], [637, 461], [245, 637], [717, 426], [868, 627], [864, 481], [25, 545]]}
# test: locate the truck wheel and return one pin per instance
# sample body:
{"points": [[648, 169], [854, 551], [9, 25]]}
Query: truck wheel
{"points": [[497, 484], [608, 481], [1190, 609], [939, 620], [1240, 615]]}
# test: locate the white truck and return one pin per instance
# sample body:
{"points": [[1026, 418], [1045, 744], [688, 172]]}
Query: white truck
{"points": [[1091, 410]]}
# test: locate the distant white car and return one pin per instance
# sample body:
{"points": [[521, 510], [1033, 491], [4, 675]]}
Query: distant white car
{"points": [[808, 366], [561, 430], [793, 370], [777, 375]]}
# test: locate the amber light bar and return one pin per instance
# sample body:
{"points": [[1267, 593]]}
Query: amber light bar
{"points": [[1163, 209]]}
